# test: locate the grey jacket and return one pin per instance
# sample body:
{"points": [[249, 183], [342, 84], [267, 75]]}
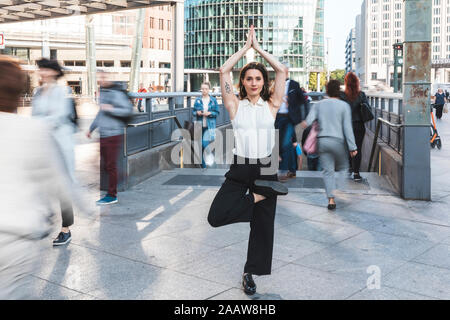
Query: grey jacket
{"points": [[111, 123], [335, 120]]}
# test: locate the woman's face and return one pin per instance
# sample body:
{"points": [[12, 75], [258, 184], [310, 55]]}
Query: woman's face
{"points": [[47, 75], [253, 82], [205, 90]]}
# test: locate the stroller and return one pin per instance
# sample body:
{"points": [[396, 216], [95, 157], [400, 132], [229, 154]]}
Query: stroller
{"points": [[435, 140]]}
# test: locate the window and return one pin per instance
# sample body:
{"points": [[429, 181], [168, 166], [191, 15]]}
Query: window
{"points": [[374, 76], [125, 64], [169, 25], [161, 24], [152, 43], [161, 44], [152, 23], [169, 47]]}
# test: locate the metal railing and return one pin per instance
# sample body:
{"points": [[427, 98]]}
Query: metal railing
{"points": [[387, 124], [375, 139], [154, 127]]}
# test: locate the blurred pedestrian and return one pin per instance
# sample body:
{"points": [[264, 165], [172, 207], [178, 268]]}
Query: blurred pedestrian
{"points": [[439, 103], [206, 110], [291, 113], [141, 101], [32, 177], [355, 97], [115, 109], [52, 103], [335, 136]]}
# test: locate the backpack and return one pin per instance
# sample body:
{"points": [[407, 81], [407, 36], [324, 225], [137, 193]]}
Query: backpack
{"points": [[73, 105]]}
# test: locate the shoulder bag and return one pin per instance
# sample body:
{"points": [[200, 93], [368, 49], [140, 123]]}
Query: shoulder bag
{"points": [[366, 110]]}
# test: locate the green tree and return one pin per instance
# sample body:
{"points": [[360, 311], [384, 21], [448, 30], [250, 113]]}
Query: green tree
{"points": [[338, 74], [313, 80]]}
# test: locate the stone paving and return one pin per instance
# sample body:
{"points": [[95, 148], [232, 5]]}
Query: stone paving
{"points": [[157, 244]]}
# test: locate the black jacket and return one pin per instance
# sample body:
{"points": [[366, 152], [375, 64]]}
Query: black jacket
{"points": [[355, 105], [297, 104]]}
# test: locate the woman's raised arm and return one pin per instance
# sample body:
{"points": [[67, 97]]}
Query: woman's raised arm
{"points": [[280, 75], [230, 100]]}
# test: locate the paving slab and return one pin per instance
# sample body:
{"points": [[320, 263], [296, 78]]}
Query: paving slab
{"points": [[349, 262], [294, 282], [386, 293], [438, 256], [421, 279]]}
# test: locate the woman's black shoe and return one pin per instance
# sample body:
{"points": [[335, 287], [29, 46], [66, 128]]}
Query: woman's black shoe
{"points": [[332, 206], [270, 188], [248, 284]]}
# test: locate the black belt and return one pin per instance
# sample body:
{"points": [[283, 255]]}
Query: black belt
{"points": [[283, 114]]}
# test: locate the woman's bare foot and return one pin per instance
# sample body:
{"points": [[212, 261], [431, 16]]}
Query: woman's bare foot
{"points": [[258, 197]]}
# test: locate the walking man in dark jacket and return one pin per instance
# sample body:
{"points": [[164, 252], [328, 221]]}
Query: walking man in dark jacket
{"points": [[115, 108], [291, 113]]}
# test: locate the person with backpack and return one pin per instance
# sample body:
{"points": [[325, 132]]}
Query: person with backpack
{"points": [[116, 109], [52, 103], [355, 98]]}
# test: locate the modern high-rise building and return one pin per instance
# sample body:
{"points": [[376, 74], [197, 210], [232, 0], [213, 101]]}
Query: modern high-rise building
{"points": [[291, 30], [350, 52], [382, 26]]}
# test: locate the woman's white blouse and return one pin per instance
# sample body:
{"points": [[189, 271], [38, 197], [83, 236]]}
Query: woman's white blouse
{"points": [[254, 130]]}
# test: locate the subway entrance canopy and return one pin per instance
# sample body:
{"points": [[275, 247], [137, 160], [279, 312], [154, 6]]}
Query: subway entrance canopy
{"points": [[26, 10]]}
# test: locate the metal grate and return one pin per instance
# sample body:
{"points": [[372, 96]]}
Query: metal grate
{"points": [[298, 183]]}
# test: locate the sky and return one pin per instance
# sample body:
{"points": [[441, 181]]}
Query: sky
{"points": [[340, 17]]}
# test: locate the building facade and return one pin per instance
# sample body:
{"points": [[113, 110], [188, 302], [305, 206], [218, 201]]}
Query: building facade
{"points": [[381, 25], [290, 30], [114, 33], [350, 52]]}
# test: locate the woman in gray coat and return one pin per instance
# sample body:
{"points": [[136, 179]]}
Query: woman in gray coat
{"points": [[53, 104], [335, 138]]}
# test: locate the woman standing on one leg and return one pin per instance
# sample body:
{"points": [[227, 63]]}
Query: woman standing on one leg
{"points": [[249, 194], [335, 136]]}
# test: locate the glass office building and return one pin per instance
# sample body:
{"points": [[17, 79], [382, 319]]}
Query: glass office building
{"points": [[292, 30]]}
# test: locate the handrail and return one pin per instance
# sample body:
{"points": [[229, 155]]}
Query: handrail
{"points": [[375, 139], [135, 125]]}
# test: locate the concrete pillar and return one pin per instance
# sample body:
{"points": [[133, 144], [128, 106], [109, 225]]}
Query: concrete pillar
{"points": [[178, 48], [91, 61], [45, 40], [137, 51], [318, 82], [416, 182], [188, 88]]}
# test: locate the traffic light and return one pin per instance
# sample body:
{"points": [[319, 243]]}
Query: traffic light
{"points": [[398, 46]]}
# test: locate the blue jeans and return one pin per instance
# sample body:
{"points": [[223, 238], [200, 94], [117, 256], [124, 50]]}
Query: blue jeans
{"points": [[287, 150], [205, 143]]}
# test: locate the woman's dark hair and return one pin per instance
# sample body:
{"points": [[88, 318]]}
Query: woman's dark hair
{"points": [[12, 84], [265, 92], [352, 88], [333, 88], [50, 64]]}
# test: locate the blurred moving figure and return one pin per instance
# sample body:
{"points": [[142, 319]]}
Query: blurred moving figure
{"points": [[32, 176], [115, 110], [335, 138], [52, 103]]}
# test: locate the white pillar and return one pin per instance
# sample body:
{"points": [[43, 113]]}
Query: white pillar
{"points": [[137, 51], [318, 82], [91, 62], [178, 48], [45, 40]]}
